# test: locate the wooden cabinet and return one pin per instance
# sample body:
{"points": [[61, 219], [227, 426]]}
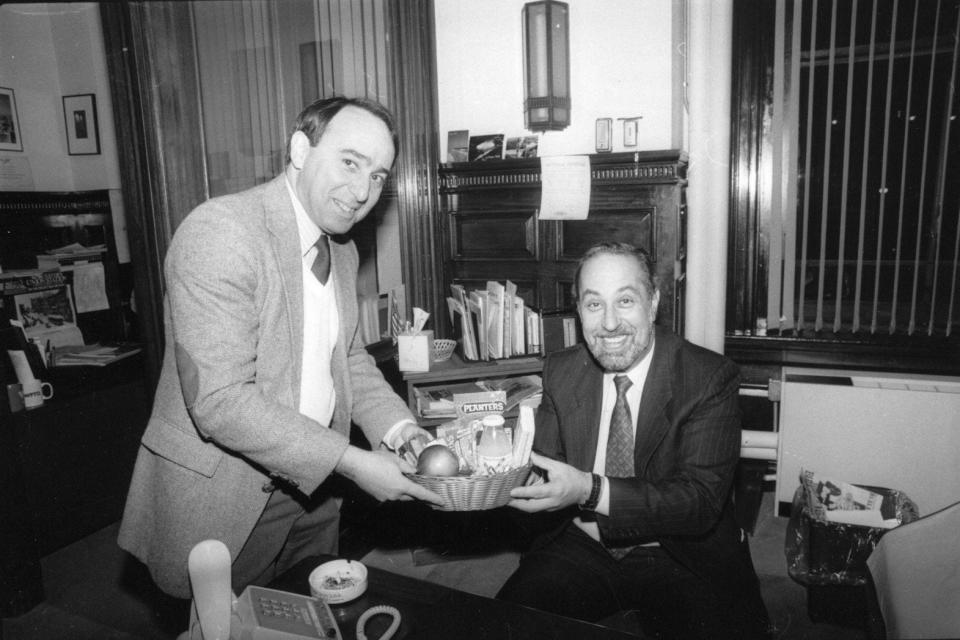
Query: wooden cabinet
{"points": [[76, 452], [491, 231]]}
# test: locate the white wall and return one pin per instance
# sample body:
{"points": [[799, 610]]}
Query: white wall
{"points": [[622, 58], [50, 51]]}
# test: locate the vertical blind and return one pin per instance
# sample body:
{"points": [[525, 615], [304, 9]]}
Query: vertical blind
{"points": [[864, 232]]}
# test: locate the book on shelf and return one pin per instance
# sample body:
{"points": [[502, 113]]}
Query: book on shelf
{"points": [[31, 280], [92, 355], [478, 308], [519, 327], [494, 322], [495, 297], [69, 255], [460, 306]]}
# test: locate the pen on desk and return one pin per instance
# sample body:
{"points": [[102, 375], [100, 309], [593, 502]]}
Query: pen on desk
{"points": [[48, 355]]}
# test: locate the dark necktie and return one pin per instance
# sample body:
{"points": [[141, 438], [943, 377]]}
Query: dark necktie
{"points": [[321, 264], [620, 446], [620, 438]]}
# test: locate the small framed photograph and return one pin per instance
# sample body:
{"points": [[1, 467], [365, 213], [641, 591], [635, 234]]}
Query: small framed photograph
{"points": [[9, 123], [522, 147], [80, 118], [489, 147], [604, 135], [630, 132], [458, 145]]}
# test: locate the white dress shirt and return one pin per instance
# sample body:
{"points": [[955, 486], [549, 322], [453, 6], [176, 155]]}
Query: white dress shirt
{"points": [[321, 324], [638, 376]]}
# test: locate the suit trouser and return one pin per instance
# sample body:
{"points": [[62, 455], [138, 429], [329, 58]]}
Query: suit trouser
{"points": [[575, 576], [288, 531]]}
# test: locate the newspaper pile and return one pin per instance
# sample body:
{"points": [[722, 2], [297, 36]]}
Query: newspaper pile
{"points": [[832, 500]]}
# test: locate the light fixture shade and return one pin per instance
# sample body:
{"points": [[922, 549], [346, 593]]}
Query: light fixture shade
{"points": [[546, 65]]}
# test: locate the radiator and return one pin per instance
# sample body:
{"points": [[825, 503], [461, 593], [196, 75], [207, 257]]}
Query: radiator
{"points": [[894, 431]]}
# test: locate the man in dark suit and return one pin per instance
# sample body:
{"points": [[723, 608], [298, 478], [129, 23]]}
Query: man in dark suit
{"points": [[638, 436]]}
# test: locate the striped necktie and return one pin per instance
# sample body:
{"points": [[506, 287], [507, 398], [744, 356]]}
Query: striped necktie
{"points": [[620, 446], [321, 264], [620, 437]]}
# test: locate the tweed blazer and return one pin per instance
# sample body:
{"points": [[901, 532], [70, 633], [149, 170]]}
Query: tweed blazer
{"points": [[225, 419], [686, 450]]}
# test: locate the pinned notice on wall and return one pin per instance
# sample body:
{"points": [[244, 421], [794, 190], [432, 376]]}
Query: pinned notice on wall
{"points": [[89, 287], [565, 193]]}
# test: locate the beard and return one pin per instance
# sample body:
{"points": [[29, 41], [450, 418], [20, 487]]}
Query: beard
{"points": [[619, 358]]}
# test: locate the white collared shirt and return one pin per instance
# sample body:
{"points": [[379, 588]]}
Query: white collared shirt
{"points": [[321, 325], [638, 376]]}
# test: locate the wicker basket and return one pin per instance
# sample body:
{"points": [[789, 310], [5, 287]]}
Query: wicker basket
{"points": [[473, 493], [443, 349]]}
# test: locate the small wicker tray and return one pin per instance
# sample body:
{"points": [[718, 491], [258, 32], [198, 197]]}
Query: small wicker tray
{"points": [[473, 493]]}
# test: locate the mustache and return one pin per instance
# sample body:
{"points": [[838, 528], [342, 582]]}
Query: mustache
{"points": [[615, 334]]}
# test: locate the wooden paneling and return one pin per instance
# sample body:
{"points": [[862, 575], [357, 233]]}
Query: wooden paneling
{"points": [[489, 216], [414, 103], [151, 65]]}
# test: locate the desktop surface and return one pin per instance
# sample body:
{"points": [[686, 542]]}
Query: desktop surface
{"points": [[433, 612]]}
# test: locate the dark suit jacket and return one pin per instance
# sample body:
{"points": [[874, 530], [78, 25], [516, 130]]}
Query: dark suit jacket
{"points": [[686, 450]]}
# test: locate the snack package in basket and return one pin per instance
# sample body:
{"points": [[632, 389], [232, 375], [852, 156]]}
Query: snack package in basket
{"points": [[477, 484]]}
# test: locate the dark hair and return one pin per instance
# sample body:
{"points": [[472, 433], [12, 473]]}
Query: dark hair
{"points": [[315, 117], [648, 273]]}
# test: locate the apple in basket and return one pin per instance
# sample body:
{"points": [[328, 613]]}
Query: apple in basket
{"points": [[437, 460]]}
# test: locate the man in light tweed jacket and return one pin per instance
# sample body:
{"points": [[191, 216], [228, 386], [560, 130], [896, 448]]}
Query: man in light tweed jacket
{"points": [[263, 372]]}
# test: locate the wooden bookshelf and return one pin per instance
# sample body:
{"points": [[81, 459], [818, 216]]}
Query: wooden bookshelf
{"points": [[456, 370]]}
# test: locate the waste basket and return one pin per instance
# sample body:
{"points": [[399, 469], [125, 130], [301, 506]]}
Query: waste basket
{"points": [[829, 559]]}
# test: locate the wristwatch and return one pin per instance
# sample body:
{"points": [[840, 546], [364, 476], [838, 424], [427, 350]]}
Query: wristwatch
{"points": [[591, 502]]}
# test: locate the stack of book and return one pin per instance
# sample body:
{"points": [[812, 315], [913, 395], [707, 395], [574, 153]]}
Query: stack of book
{"points": [[92, 355], [494, 322]]}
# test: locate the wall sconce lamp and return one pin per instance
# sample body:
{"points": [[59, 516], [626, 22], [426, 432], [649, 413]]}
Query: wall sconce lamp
{"points": [[546, 66]]}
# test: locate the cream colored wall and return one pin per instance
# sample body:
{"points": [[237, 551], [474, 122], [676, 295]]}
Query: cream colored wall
{"points": [[622, 64], [50, 51]]}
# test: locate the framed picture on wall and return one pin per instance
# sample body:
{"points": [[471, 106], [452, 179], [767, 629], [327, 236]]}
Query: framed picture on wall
{"points": [[80, 118], [9, 123]]}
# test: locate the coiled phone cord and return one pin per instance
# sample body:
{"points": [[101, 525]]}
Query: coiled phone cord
{"points": [[373, 611]]}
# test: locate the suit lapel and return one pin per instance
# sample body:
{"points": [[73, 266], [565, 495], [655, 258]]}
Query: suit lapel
{"points": [[280, 220], [339, 365], [586, 393], [652, 423]]}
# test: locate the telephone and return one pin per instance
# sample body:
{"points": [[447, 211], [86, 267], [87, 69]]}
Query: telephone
{"points": [[259, 613]]}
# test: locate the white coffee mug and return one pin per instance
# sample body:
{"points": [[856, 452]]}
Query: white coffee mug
{"points": [[35, 392]]}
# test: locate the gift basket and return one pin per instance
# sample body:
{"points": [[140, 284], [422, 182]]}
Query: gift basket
{"points": [[476, 459]]}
